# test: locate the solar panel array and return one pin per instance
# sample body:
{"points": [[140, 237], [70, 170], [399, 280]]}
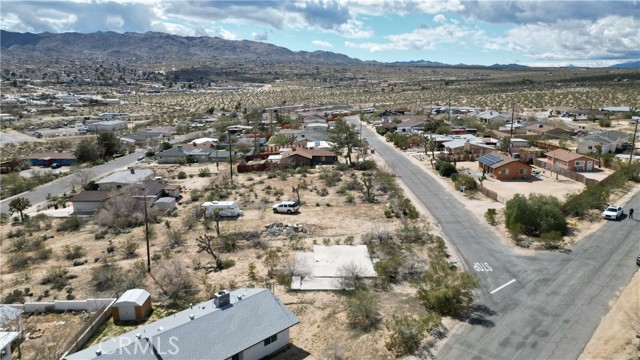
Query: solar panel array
{"points": [[489, 159]]}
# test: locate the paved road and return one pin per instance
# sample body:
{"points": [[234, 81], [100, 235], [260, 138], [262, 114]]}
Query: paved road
{"points": [[64, 184], [530, 306]]}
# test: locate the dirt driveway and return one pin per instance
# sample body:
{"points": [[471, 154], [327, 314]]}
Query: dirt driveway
{"points": [[544, 183]]}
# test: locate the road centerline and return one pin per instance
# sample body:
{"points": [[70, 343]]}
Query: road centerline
{"points": [[502, 286]]}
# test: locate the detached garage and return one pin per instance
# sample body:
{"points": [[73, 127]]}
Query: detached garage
{"points": [[133, 305]]}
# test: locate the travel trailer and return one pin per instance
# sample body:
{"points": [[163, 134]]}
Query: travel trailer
{"points": [[227, 208]]}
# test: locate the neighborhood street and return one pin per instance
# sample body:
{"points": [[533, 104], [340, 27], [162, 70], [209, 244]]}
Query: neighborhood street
{"points": [[64, 184], [540, 306]]}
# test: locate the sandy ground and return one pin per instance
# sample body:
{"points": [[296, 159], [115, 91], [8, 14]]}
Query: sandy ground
{"points": [[615, 338]]}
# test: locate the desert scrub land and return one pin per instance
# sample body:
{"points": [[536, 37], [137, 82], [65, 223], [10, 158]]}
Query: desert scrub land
{"points": [[194, 256]]}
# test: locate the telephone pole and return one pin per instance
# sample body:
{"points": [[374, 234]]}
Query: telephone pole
{"points": [[633, 142]]}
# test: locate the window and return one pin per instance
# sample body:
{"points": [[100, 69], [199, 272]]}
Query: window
{"points": [[579, 163], [590, 147], [504, 171], [523, 171], [271, 339]]}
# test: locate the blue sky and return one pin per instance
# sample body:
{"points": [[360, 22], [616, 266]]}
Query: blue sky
{"points": [[544, 33]]}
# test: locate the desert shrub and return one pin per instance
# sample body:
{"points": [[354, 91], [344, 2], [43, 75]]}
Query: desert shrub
{"points": [[350, 199], [72, 252], [18, 261], [407, 332], [604, 123], [323, 192], [42, 254], [56, 277], [222, 264], [204, 172], [182, 175], [381, 130], [535, 215], [465, 180], [592, 197], [362, 309], [72, 223], [413, 232], [130, 248], [175, 238], [351, 185], [175, 279], [330, 178], [490, 216], [79, 262], [446, 290], [16, 296], [388, 271], [366, 165], [107, 277], [446, 169]]}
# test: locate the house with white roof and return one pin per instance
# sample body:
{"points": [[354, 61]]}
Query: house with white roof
{"points": [[247, 324]]}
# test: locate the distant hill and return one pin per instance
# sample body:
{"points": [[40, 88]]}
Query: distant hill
{"points": [[158, 46], [627, 65], [421, 63], [515, 66]]}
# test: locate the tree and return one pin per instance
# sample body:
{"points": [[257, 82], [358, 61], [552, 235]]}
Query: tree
{"points": [[536, 216], [174, 279], [296, 190], [207, 243], [108, 143], [363, 310], [368, 183], [504, 144], [446, 290], [19, 205], [81, 177], [407, 332], [598, 148], [271, 261], [87, 151], [344, 137]]}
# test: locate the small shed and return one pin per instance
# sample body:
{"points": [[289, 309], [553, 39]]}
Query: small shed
{"points": [[165, 204], [133, 305]]}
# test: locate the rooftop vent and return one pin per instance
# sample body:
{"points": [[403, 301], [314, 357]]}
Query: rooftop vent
{"points": [[221, 298], [138, 335], [98, 352], [191, 316]]}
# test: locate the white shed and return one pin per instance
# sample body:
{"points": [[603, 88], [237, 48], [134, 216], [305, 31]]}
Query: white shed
{"points": [[133, 305]]}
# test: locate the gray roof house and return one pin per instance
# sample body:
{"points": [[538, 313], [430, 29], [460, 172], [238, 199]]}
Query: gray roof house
{"points": [[245, 324], [186, 152], [121, 179], [611, 141]]}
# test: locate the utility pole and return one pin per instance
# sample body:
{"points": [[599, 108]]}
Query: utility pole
{"points": [[146, 230], [513, 111], [230, 156], [633, 142]]}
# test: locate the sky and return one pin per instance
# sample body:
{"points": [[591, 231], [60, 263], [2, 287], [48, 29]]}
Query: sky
{"points": [[535, 33]]}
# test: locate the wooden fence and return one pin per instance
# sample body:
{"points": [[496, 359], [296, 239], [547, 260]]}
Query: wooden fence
{"points": [[94, 324], [564, 172]]}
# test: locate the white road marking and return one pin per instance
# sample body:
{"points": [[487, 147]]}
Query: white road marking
{"points": [[503, 286]]}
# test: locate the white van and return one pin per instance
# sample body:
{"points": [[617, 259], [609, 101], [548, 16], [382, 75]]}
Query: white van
{"points": [[227, 208]]}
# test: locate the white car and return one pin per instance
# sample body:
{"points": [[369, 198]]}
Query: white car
{"points": [[287, 207], [612, 212]]}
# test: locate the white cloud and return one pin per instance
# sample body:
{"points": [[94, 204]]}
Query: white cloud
{"points": [[440, 18], [425, 38], [321, 43], [226, 34], [612, 37]]}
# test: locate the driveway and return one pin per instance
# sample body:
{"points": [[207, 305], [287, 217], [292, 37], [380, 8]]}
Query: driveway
{"points": [[540, 306]]}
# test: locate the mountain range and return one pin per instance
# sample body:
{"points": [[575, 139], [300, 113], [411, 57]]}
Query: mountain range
{"points": [[158, 46]]}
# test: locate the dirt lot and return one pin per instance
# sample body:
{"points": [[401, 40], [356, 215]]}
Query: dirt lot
{"points": [[323, 324]]}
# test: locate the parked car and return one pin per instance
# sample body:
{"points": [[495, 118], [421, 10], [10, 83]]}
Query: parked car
{"points": [[56, 165], [286, 207], [140, 158], [612, 212], [638, 260]]}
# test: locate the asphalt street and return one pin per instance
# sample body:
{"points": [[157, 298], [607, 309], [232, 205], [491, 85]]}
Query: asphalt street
{"points": [[544, 305], [64, 184]]}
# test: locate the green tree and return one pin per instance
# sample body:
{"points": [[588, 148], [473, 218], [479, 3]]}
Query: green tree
{"points": [[87, 150], [19, 204], [598, 152], [108, 143], [446, 290], [271, 261], [535, 216], [344, 137]]}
